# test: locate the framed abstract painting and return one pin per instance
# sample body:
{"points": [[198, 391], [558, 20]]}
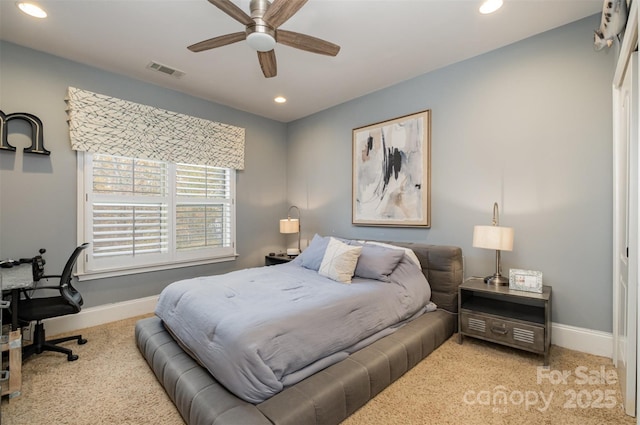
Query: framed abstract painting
{"points": [[392, 172]]}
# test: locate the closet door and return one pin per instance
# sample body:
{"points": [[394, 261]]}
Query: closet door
{"points": [[626, 206]]}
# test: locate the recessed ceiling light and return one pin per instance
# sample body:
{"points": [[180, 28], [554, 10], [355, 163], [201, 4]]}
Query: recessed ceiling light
{"points": [[32, 9], [490, 6], [280, 99]]}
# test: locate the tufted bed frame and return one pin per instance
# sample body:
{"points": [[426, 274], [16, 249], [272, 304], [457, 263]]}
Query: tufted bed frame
{"points": [[329, 396]]}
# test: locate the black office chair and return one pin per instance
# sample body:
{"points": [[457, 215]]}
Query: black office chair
{"points": [[37, 309]]}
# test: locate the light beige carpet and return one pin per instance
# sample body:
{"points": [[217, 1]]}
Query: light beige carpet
{"points": [[472, 383]]}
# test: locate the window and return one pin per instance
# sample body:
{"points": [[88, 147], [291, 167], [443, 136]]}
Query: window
{"points": [[142, 215]]}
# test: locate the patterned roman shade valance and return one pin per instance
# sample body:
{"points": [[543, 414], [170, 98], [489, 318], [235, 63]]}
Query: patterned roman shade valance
{"points": [[103, 124]]}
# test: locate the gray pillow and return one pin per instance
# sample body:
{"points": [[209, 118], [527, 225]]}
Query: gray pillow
{"points": [[377, 262], [312, 256]]}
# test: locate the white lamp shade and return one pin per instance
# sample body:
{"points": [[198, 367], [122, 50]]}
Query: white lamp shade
{"points": [[493, 237], [289, 225]]}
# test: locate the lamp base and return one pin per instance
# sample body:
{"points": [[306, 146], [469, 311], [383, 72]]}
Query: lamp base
{"points": [[292, 252], [496, 280]]}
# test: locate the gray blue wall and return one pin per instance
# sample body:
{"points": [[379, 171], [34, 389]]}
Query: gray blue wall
{"points": [[38, 193], [528, 126]]}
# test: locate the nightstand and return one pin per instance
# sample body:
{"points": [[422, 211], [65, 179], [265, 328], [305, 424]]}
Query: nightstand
{"points": [[505, 316], [270, 260]]}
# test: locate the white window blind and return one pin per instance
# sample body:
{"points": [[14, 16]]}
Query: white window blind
{"points": [[203, 212], [142, 214], [129, 206]]}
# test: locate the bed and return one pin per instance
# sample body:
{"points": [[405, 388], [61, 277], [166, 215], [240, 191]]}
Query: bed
{"points": [[330, 392]]}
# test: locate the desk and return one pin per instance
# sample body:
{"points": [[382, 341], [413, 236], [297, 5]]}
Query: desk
{"points": [[12, 280]]}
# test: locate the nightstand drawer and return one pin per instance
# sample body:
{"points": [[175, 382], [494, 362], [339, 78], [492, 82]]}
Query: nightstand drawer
{"points": [[508, 332]]}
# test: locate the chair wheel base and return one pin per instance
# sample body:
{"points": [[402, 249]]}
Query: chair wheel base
{"points": [[41, 344]]}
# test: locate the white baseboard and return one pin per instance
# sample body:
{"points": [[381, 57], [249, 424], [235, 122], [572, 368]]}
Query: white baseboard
{"points": [[580, 339], [100, 315]]}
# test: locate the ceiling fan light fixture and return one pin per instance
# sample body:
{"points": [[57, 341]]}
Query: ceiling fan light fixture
{"points": [[262, 32], [31, 9], [260, 41], [490, 6]]}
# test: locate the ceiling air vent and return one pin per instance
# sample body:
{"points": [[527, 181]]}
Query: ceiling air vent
{"points": [[155, 66]]}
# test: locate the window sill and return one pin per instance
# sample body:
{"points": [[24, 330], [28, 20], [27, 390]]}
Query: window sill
{"points": [[166, 266]]}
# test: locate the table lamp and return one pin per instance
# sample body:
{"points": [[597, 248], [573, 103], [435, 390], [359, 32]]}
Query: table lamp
{"points": [[494, 237], [291, 225]]}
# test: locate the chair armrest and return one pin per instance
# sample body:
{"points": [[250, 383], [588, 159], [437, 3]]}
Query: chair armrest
{"points": [[27, 291], [43, 287]]}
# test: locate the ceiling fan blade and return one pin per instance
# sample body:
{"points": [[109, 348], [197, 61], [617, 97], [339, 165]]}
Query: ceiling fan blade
{"points": [[306, 42], [232, 10], [268, 63], [281, 10], [220, 41]]}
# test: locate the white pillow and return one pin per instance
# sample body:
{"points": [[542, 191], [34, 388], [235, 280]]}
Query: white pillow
{"points": [[339, 261], [408, 251]]}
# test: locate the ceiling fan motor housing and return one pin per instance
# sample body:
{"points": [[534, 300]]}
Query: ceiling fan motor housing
{"points": [[260, 36], [258, 8]]}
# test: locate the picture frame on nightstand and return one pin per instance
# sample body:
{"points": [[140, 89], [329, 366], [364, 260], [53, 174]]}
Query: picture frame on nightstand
{"points": [[525, 280]]}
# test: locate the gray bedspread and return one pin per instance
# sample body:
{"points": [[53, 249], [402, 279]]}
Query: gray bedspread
{"points": [[258, 330]]}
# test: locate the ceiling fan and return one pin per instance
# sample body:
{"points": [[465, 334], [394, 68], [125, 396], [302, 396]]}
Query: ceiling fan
{"points": [[262, 32]]}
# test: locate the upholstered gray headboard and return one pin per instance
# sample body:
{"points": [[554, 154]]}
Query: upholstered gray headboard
{"points": [[442, 265]]}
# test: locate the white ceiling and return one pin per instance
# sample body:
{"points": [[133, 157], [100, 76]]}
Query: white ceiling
{"points": [[383, 42]]}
